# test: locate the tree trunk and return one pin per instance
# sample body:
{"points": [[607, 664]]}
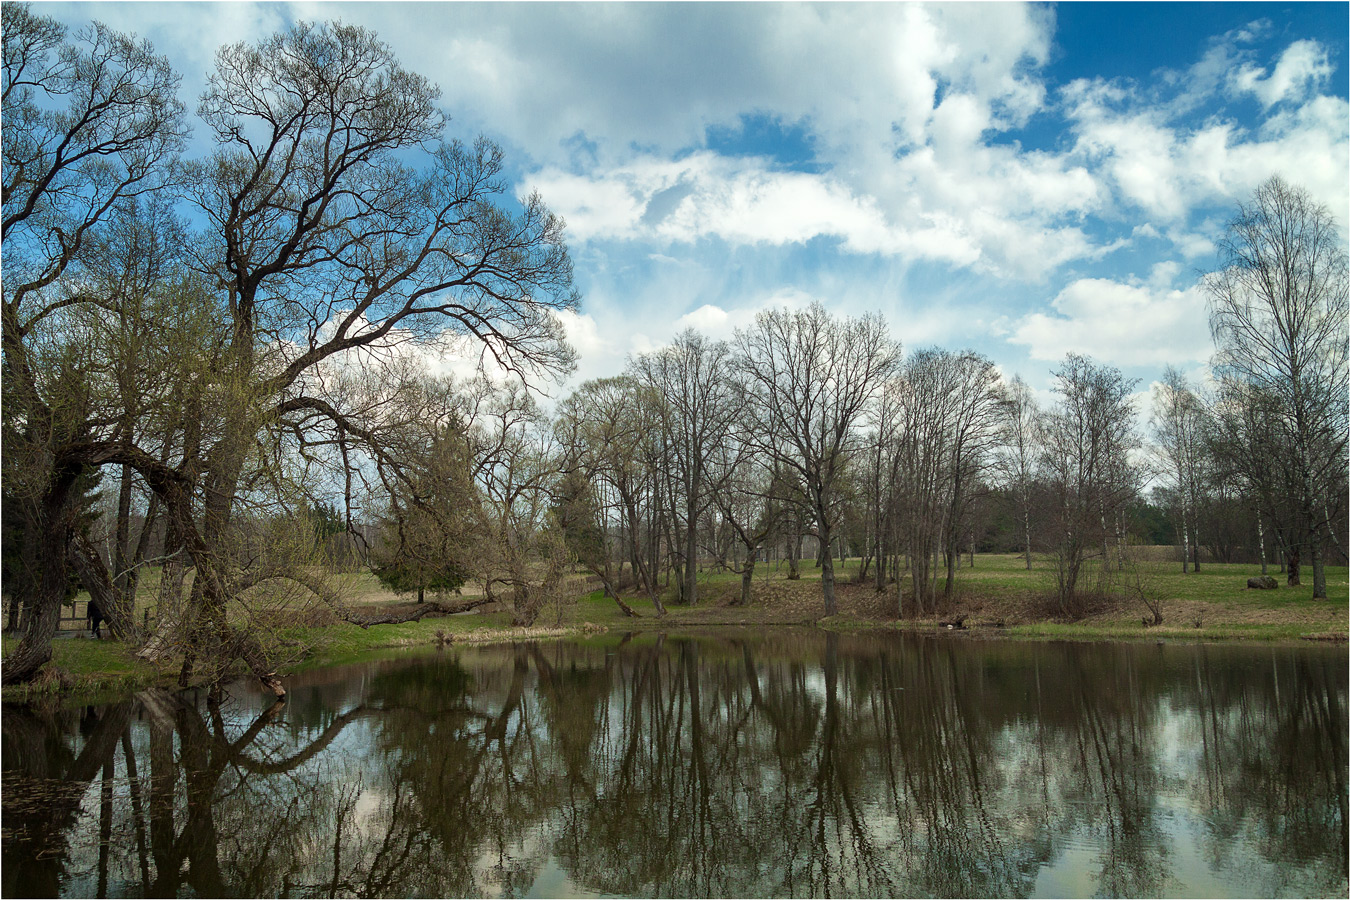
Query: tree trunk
{"points": [[747, 578], [43, 609], [690, 559], [612, 591], [121, 557], [523, 611], [918, 570], [937, 567], [1261, 540], [120, 615], [824, 533], [827, 584], [1185, 544], [952, 557], [1292, 566], [1195, 539], [1026, 528], [881, 551], [794, 553], [1319, 569]]}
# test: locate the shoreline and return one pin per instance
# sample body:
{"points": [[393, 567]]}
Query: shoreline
{"points": [[88, 676], [997, 600]]}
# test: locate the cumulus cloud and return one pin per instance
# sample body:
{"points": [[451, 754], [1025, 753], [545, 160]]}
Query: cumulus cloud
{"points": [[1302, 66], [721, 324], [1008, 218], [657, 76], [1122, 324], [1168, 168], [741, 201]]}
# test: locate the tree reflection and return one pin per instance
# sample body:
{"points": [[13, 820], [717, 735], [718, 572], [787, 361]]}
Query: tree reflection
{"points": [[808, 764]]}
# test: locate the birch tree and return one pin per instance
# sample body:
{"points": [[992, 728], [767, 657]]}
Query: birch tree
{"points": [[1278, 311], [1179, 425]]}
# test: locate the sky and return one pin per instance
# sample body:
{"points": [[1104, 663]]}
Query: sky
{"points": [[1021, 180]]}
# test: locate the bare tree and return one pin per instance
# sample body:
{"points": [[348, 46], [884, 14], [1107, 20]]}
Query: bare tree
{"points": [[971, 432], [1021, 451], [925, 401], [1089, 436], [813, 376], [1243, 450], [747, 494], [1179, 426], [1278, 310], [516, 461], [697, 402]]}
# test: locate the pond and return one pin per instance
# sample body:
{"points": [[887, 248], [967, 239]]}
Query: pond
{"points": [[788, 763]]}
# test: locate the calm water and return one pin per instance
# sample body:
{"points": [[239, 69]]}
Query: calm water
{"points": [[797, 764]]}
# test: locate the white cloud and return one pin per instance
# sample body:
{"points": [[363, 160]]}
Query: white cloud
{"points": [[1168, 169], [1302, 66], [741, 201], [708, 319], [1006, 217], [720, 324], [657, 76], [600, 352], [1122, 324]]}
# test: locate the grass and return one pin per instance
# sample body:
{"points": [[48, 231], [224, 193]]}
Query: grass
{"points": [[1213, 604], [84, 668]]}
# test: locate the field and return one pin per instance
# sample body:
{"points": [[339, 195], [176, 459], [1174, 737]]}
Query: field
{"points": [[1214, 603], [998, 596]]}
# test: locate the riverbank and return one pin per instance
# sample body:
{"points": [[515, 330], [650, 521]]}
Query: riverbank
{"points": [[997, 598]]}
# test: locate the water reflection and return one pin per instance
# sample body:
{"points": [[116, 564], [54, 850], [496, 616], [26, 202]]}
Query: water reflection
{"points": [[797, 764]]}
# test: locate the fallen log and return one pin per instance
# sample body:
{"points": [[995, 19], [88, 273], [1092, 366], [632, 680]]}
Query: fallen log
{"points": [[399, 616]]}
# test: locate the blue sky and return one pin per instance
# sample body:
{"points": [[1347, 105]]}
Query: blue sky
{"points": [[1024, 180]]}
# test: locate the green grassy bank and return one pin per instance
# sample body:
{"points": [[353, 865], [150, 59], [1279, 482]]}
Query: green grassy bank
{"points": [[998, 597]]}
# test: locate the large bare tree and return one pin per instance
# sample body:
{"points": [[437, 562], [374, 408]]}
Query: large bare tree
{"points": [[813, 375], [339, 229], [1278, 310], [697, 402]]}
